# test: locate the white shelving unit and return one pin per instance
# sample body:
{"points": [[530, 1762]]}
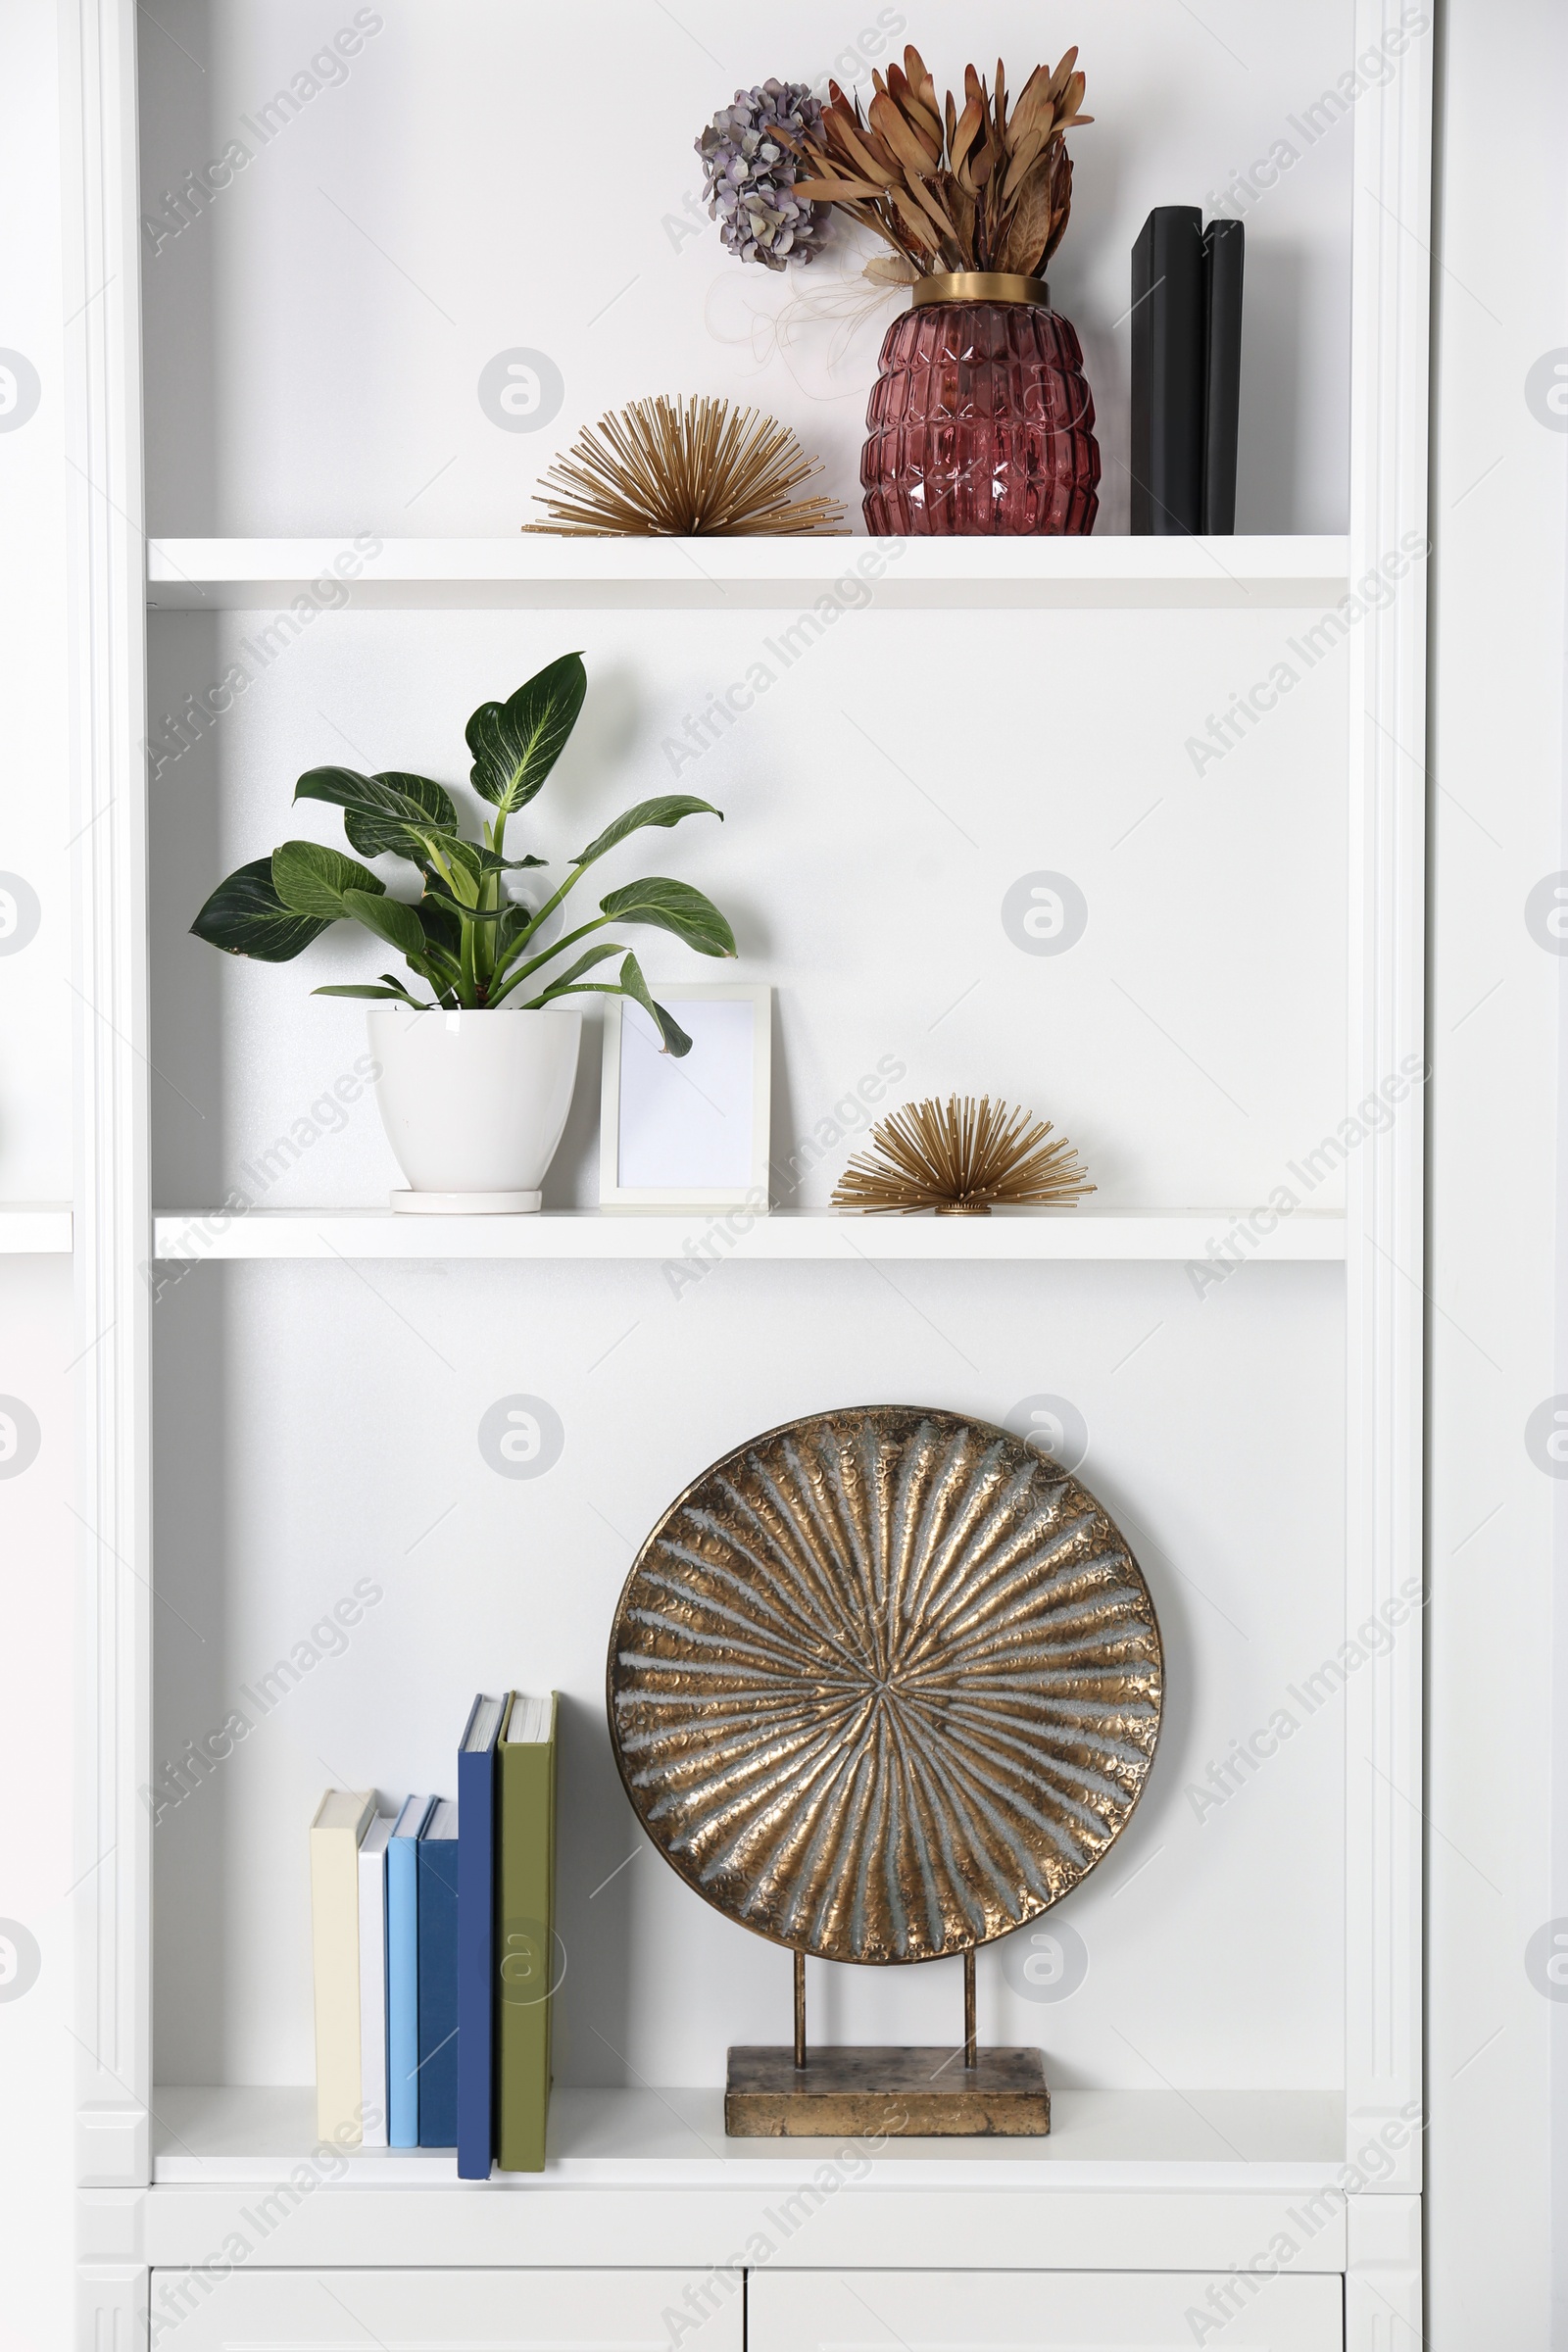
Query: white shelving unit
{"points": [[1251, 2023]]}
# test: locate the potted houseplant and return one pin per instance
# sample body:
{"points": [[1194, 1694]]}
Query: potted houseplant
{"points": [[476, 1073], [981, 419]]}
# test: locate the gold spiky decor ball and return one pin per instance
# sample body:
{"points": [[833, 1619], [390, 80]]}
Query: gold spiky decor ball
{"points": [[683, 468], [962, 1159]]}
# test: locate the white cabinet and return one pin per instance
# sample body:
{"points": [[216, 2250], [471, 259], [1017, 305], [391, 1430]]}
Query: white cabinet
{"points": [[772, 2311], [1040, 2311], [456, 2311]]}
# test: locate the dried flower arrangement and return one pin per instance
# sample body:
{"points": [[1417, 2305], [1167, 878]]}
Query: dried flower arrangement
{"points": [[667, 469], [977, 188], [961, 1158], [750, 173]]}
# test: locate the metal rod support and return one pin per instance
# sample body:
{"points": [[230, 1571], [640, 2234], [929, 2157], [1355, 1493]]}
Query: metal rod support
{"points": [[799, 2008], [971, 2052]]}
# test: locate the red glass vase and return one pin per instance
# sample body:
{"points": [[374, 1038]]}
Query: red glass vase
{"points": [[981, 420]]}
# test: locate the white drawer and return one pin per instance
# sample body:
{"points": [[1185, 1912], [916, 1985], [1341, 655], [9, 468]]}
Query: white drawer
{"points": [[445, 2311], [1039, 2311]]}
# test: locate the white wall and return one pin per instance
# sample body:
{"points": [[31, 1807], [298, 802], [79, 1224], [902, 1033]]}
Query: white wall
{"points": [[38, 1536], [36, 998]]}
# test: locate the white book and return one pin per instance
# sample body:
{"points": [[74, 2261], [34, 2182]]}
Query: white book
{"points": [[372, 1980], [341, 1821]]}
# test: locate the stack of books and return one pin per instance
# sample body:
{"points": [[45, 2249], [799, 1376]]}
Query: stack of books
{"points": [[1187, 372], [432, 1931]]}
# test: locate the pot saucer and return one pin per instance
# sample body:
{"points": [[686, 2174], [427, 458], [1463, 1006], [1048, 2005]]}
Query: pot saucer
{"points": [[466, 1205]]}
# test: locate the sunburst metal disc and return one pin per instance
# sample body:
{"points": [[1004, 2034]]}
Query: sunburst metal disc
{"points": [[884, 1684]]}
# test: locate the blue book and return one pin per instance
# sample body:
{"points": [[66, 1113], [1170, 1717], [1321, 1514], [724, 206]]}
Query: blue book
{"points": [[403, 1974], [476, 1936], [437, 1850]]}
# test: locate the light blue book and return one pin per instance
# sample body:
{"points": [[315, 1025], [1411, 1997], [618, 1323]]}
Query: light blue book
{"points": [[403, 1972]]}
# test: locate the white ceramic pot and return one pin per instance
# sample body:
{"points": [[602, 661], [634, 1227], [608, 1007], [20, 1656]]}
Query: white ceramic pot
{"points": [[474, 1103]]}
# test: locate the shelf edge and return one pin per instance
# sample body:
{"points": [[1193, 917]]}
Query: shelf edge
{"points": [[37, 1232], [1162, 1237]]}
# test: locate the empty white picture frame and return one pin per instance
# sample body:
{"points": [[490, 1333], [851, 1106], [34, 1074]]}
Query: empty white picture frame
{"points": [[691, 1133]]}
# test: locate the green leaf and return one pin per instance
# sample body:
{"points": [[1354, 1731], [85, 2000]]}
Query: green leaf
{"points": [[675, 1039], [312, 880], [422, 793], [400, 822], [441, 957], [462, 860], [672, 906], [341, 786], [517, 918], [674, 1036], [390, 920], [245, 916], [398, 995], [390, 980], [574, 971], [437, 894], [440, 923], [667, 812], [377, 836], [494, 865], [516, 744], [393, 795], [383, 815]]}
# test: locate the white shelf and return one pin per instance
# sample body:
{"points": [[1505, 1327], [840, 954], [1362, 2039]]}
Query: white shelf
{"points": [[35, 1232], [247, 574], [210, 2138], [1051, 1235]]}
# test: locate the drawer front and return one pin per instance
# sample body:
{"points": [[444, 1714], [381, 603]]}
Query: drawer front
{"points": [[1039, 2311], [445, 2311]]}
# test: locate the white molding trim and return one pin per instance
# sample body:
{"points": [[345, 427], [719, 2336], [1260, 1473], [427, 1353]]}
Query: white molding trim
{"points": [[1383, 2300], [100, 232], [1496, 2196], [1384, 1275], [112, 2299]]}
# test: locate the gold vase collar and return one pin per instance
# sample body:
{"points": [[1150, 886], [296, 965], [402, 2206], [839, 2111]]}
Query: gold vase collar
{"points": [[980, 286]]}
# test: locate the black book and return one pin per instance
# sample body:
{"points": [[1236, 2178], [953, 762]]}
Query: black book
{"points": [[1168, 372], [1224, 250]]}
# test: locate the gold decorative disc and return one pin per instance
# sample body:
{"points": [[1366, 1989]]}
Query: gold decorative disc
{"points": [[884, 1684]]}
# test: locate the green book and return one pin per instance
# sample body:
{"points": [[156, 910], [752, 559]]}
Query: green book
{"points": [[525, 1913]]}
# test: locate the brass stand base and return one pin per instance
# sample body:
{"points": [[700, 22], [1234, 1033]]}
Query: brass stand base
{"points": [[893, 2093]]}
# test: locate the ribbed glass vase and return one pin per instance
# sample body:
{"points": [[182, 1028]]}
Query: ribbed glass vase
{"points": [[981, 424]]}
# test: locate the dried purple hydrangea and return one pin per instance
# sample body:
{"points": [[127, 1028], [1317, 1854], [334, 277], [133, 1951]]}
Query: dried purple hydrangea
{"points": [[750, 176]]}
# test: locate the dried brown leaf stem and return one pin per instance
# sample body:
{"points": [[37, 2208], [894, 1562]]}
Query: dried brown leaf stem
{"points": [[987, 188]]}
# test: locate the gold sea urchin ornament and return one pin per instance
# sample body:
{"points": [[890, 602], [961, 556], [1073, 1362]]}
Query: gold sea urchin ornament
{"points": [[684, 468], [961, 1158]]}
